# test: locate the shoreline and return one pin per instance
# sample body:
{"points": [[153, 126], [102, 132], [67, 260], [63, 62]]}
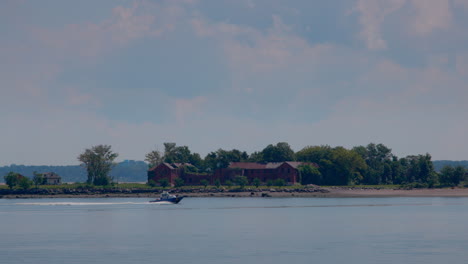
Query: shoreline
{"points": [[329, 192]]}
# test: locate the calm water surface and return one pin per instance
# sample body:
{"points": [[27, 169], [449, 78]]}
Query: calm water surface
{"points": [[235, 230]]}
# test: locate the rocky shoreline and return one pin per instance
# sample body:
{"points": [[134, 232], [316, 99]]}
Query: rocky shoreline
{"points": [[136, 192], [308, 191]]}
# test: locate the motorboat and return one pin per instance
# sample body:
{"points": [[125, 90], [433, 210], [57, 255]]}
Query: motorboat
{"points": [[167, 197]]}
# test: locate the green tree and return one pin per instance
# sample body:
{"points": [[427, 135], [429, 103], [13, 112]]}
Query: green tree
{"points": [[242, 181], [270, 183], [256, 182], [24, 183], [11, 179], [38, 179], [178, 182], [217, 183], [450, 176], [154, 158], [280, 182], [459, 175], [164, 182], [446, 176], [152, 183], [204, 183], [309, 174], [279, 153], [228, 183], [221, 158], [378, 159], [98, 161]]}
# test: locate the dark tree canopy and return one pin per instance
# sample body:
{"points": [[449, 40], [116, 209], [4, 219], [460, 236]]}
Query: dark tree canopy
{"points": [[98, 161], [279, 153]]}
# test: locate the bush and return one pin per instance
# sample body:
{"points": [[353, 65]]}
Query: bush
{"points": [[152, 183], [269, 183], [24, 183], [256, 182], [228, 183], [204, 183], [179, 182], [217, 183], [242, 181], [280, 182], [164, 182]]}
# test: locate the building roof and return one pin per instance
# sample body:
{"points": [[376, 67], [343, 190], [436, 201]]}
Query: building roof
{"points": [[51, 175], [247, 165], [172, 166], [269, 165]]}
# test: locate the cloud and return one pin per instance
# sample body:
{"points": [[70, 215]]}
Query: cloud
{"points": [[431, 15], [186, 108], [372, 16], [91, 40], [462, 64]]}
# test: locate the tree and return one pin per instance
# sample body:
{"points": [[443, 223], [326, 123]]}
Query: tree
{"points": [[217, 183], [309, 174], [242, 181], [450, 176], [164, 182], [24, 183], [221, 158], [270, 183], [178, 182], [11, 179], [279, 153], [152, 183], [280, 182], [98, 161], [154, 158], [38, 179], [459, 174], [204, 183], [256, 182], [228, 183]]}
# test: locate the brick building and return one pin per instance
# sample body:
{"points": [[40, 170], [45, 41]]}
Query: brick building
{"points": [[288, 171]]}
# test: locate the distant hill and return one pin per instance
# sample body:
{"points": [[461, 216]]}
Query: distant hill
{"points": [[126, 171], [439, 164]]}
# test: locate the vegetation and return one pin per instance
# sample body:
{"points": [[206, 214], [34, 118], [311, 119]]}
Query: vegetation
{"points": [[217, 183], [205, 183], [242, 181], [154, 158], [164, 182], [256, 182], [179, 182], [11, 179], [24, 183], [38, 179], [373, 164], [98, 161]]}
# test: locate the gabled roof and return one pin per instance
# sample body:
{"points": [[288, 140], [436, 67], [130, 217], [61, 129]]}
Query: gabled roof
{"points": [[269, 165], [247, 165], [51, 175], [172, 166]]}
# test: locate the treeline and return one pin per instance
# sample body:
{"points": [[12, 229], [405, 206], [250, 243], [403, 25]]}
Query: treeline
{"points": [[373, 164], [126, 171]]}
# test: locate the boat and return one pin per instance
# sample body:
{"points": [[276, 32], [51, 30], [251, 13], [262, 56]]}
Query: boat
{"points": [[167, 197]]}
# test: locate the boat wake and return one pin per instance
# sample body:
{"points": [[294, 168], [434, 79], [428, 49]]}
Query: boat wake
{"points": [[86, 204]]}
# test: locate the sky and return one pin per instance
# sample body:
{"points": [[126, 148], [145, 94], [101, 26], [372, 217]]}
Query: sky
{"points": [[227, 74]]}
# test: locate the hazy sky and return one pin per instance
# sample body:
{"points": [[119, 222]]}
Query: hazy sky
{"points": [[231, 74]]}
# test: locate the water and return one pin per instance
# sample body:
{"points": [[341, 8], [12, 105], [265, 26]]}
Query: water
{"points": [[235, 230]]}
